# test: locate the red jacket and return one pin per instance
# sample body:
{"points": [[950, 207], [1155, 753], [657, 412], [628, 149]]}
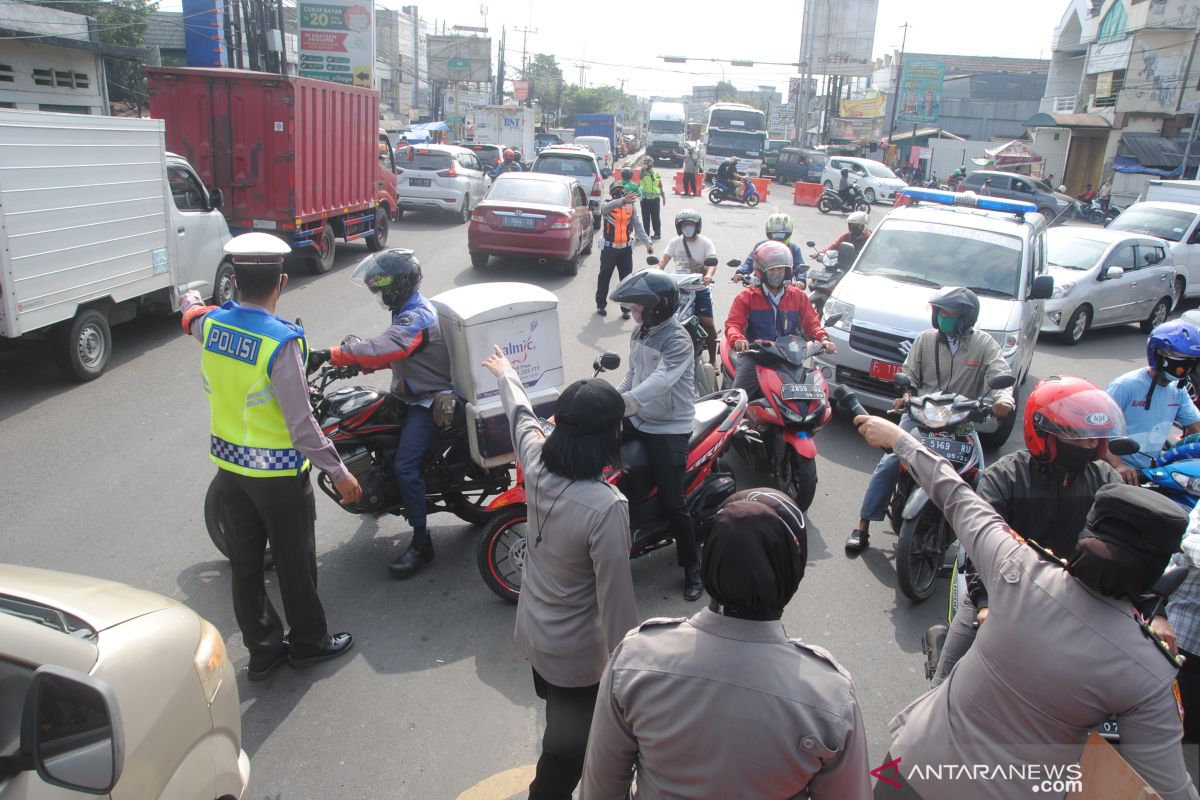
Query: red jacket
{"points": [[753, 317]]}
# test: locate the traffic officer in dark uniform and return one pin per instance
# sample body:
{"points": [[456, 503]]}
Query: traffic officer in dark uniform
{"points": [[723, 704], [264, 440]]}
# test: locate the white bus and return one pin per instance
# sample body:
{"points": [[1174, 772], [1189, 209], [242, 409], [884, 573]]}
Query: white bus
{"points": [[735, 129]]}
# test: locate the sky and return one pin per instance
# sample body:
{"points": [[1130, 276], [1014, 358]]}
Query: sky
{"points": [[626, 42]]}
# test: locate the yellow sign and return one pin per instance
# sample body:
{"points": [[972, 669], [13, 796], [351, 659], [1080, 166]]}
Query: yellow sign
{"points": [[864, 108], [1104, 84]]}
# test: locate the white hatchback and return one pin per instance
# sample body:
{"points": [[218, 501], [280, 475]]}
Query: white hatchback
{"points": [[441, 178], [876, 181]]}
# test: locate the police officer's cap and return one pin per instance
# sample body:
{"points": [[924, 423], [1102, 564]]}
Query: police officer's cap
{"points": [[1136, 519], [249, 249], [590, 406]]}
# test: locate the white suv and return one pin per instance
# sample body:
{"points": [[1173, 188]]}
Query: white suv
{"points": [[876, 181], [884, 299], [442, 178], [580, 163]]}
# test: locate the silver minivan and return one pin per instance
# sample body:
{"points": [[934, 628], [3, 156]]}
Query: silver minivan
{"points": [[917, 249], [441, 178]]}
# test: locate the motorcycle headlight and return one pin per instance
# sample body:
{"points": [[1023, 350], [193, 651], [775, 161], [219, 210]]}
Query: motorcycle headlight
{"points": [[1008, 341], [936, 415], [1061, 290], [1188, 483], [833, 306]]}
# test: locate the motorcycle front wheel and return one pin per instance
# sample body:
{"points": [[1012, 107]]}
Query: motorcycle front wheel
{"points": [[825, 205], [752, 200], [920, 552], [500, 554], [798, 478], [715, 196]]}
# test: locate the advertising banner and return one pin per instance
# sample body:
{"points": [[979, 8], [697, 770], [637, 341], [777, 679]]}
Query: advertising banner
{"points": [[920, 97], [459, 58], [864, 108], [843, 37], [337, 41], [521, 90]]}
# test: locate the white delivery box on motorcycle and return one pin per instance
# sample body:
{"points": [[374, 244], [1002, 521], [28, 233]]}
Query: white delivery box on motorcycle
{"points": [[520, 318]]}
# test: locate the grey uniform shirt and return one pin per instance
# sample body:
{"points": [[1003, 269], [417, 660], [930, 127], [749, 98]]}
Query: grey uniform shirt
{"points": [[717, 707], [661, 379], [933, 367], [1054, 660], [577, 597]]}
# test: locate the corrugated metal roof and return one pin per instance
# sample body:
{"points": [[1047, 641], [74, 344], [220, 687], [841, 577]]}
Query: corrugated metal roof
{"points": [[165, 30], [1151, 150], [1050, 120]]}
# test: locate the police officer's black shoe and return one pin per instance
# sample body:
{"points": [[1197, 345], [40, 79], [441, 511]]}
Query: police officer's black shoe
{"points": [[262, 669], [338, 644], [411, 560], [858, 541], [693, 587]]}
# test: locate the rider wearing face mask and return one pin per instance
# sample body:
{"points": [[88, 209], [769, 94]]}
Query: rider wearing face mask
{"points": [[772, 308], [856, 233], [779, 229], [1045, 491], [691, 250]]}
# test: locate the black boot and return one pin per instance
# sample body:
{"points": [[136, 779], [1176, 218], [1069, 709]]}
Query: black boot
{"points": [[693, 587], [858, 541], [418, 554]]}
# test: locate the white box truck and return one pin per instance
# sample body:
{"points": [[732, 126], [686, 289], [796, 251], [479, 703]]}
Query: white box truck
{"points": [[507, 126], [97, 224], [1173, 191], [520, 318], [666, 130]]}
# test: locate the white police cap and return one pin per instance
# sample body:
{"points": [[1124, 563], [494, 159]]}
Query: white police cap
{"points": [[257, 248]]}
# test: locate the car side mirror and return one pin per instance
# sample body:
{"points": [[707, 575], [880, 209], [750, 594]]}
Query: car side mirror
{"points": [[1112, 273], [1001, 381], [1041, 288], [903, 381], [71, 732], [711, 261], [607, 361], [606, 173], [216, 198]]}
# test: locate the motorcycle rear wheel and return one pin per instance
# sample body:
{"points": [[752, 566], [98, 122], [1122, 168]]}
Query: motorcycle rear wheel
{"points": [[798, 478], [824, 205], [920, 552], [715, 196], [500, 554]]}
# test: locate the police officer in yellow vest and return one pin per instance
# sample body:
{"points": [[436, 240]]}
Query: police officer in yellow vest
{"points": [[622, 229], [652, 197], [264, 439]]}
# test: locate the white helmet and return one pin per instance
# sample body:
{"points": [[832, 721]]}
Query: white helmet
{"points": [[857, 218]]}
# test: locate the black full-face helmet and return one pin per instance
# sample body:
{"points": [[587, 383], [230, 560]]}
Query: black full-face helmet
{"points": [[391, 275], [652, 289]]}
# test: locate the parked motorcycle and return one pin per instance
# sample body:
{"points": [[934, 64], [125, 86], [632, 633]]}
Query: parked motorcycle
{"points": [[830, 200], [689, 283], [824, 278], [364, 425], [777, 435], [500, 553], [1095, 212], [722, 192]]}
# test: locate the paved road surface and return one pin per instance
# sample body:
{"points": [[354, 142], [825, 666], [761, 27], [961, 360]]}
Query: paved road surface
{"points": [[108, 478]]}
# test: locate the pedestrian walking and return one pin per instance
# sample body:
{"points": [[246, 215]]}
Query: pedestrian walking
{"points": [[264, 440], [621, 229], [653, 198], [691, 167], [577, 600], [723, 704]]}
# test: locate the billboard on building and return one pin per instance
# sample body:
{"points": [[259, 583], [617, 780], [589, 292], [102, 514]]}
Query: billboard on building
{"points": [[337, 41], [842, 38], [203, 23], [521, 90], [459, 58], [919, 99], [864, 108]]}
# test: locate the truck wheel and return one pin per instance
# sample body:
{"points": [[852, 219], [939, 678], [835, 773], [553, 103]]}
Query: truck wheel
{"points": [[321, 260], [378, 241], [224, 289], [82, 346]]}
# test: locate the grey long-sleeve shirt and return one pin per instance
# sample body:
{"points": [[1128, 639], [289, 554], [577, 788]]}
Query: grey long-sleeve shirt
{"points": [[290, 390], [660, 379], [1054, 660], [577, 600]]}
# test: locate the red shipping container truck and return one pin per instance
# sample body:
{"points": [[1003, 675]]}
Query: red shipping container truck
{"points": [[296, 157]]}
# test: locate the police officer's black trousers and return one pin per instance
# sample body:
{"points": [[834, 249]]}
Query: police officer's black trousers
{"points": [[650, 216], [618, 258], [568, 720], [668, 454], [281, 511]]}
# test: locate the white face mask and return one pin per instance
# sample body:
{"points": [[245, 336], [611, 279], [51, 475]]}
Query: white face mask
{"points": [[688, 230]]}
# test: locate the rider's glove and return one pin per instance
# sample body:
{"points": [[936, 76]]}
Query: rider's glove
{"points": [[316, 358]]}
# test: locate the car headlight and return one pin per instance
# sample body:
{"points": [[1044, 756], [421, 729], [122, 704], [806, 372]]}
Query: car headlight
{"points": [[1188, 483], [1061, 290], [210, 660], [1008, 341], [833, 306]]}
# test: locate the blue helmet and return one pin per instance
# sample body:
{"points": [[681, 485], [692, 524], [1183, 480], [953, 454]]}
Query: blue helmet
{"points": [[1174, 348]]}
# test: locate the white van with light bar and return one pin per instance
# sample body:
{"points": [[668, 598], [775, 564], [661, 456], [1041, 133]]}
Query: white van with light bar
{"points": [[936, 239]]}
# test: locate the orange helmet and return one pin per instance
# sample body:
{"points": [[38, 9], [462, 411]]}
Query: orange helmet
{"points": [[1069, 408]]}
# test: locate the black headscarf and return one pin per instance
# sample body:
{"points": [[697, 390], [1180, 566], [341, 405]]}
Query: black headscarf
{"points": [[755, 556]]}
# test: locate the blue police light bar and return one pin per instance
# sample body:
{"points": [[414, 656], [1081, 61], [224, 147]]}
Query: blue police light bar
{"points": [[1017, 207]]}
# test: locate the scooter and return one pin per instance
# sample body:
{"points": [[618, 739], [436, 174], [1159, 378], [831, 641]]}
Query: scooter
{"points": [[1176, 474], [832, 201], [823, 279], [722, 192], [364, 425], [1097, 214], [500, 554], [777, 435], [689, 283]]}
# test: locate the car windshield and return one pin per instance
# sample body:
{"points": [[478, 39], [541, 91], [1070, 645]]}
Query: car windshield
{"points": [[427, 159], [1165, 223], [932, 254], [732, 143], [665, 126], [549, 192], [879, 170], [564, 165], [1072, 252]]}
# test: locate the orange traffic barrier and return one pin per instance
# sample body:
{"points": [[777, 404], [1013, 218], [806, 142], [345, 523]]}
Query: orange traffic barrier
{"points": [[679, 183], [807, 194], [762, 186]]}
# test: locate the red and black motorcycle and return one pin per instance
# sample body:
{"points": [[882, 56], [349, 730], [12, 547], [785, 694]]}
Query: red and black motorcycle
{"points": [[364, 425], [777, 434], [707, 484]]}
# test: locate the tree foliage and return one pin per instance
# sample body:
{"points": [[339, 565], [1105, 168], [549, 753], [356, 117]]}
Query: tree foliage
{"points": [[547, 82]]}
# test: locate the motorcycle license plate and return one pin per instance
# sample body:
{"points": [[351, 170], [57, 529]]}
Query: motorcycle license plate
{"points": [[884, 370], [419, 181], [949, 448], [802, 391]]}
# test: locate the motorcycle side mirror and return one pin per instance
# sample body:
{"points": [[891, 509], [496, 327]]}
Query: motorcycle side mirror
{"points": [[652, 260], [811, 243], [903, 381], [711, 261], [349, 340], [733, 262], [846, 255], [607, 361], [1001, 381], [833, 319], [1123, 446]]}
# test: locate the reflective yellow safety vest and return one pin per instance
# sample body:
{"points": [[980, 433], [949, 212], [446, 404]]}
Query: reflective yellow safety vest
{"points": [[248, 432]]}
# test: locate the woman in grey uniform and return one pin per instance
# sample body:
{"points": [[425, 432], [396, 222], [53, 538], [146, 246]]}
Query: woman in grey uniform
{"points": [[576, 586], [723, 704]]}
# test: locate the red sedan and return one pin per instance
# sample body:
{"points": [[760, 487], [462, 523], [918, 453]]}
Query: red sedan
{"points": [[535, 214]]}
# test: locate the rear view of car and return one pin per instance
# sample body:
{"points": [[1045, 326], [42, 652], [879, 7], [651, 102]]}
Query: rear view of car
{"points": [[543, 216], [488, 154], [579, 163], [441, 178], [599, 145]]}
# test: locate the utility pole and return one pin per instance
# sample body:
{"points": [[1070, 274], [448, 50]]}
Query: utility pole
{"points": [[582, 68], [804, 67], [500, 68], [524, 47], [896, 83]]}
